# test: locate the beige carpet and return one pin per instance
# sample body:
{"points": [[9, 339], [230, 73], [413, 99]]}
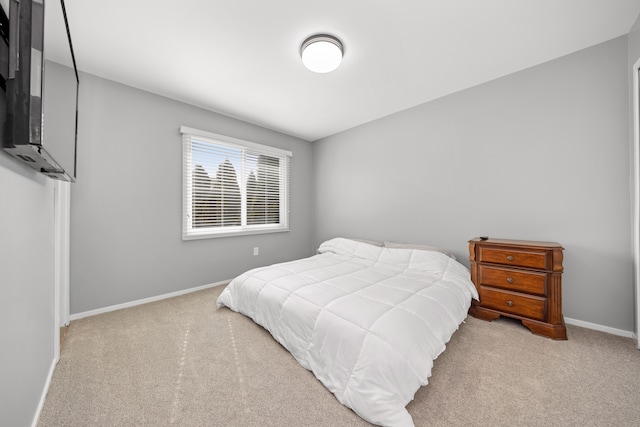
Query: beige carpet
{"points": [[182, 362]]}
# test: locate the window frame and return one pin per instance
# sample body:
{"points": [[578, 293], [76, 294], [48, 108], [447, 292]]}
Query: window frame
{"points": [[191, 233]]}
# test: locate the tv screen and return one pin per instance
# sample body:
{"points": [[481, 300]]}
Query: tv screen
{"points": [[4, 60], [40, 122]]}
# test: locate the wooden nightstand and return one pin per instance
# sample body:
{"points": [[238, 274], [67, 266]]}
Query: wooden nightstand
{"points": [[519, 279]]}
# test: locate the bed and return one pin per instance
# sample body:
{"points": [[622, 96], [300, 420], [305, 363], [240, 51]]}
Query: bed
{"points": [[367, 320]]}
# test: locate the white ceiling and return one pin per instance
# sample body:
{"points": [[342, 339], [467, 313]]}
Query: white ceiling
{"points": [[241, 57]]}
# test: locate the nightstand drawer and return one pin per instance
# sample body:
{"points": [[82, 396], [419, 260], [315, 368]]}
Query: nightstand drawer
{"points": [[514, 257], [513, 280], [522, 305]]}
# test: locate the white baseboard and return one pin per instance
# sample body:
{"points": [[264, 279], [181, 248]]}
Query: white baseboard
{"points": [[601, 328], [89, 313], [567, 320], [45, 390]]}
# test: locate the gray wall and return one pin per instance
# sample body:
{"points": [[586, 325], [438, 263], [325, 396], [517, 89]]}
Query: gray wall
{"points": [[541, 154], [126, 241], [26, 289]]}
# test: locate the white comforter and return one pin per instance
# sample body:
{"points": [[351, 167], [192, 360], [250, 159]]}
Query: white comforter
{"points": [[368, 321]]}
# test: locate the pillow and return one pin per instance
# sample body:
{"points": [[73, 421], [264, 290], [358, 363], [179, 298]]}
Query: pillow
{"points": [[418, 247], [369, 242]]}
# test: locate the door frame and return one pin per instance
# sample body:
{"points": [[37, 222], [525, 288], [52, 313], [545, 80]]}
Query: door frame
{"points": [[635, 71], [62, 216]]}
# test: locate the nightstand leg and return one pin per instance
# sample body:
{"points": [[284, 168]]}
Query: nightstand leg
{"points": [[480, 313], [556, 332]]}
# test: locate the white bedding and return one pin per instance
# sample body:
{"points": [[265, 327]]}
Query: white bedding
{"points": [[368, 321]]}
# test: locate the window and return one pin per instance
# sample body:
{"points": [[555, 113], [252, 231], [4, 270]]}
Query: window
{"points": [[232, 187]]}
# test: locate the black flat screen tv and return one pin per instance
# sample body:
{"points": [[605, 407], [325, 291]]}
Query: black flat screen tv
{"points": [[40, 117]]}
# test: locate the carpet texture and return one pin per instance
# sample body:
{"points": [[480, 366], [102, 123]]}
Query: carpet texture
{"points": [[182, 362]]}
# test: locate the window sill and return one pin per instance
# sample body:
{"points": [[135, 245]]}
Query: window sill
{"points": [[205, 235]]}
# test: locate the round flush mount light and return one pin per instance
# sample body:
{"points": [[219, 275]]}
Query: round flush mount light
{"points": [[321, 53]]}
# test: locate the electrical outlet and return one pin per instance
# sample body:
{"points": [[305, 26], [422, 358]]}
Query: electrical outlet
{"points": [[256, 251]]}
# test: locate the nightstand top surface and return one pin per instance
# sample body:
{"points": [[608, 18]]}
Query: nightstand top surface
{"points": [[533, 243]]}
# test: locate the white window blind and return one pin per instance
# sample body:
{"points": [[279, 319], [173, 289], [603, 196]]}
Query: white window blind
{"points": [[231, 186]]}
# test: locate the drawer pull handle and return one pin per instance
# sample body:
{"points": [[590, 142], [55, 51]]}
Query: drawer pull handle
{"points": [[510, 258], [509, 280], [510, 303]]}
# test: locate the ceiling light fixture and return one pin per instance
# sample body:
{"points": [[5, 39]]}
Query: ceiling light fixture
{"points": [[321, 53]]}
